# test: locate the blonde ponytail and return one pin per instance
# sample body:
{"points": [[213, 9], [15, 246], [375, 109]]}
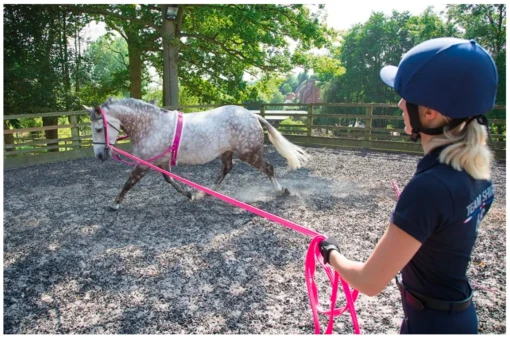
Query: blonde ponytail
{"points": [[468, 150]]}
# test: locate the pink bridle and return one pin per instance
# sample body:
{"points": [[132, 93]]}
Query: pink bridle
{"points": [[313, 253], [174, 148]]}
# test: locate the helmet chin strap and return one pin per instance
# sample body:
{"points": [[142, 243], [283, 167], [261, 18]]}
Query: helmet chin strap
{"points": [[414, 117]]}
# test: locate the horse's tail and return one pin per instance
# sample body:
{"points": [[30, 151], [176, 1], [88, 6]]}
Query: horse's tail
{"points": [[294, 154]]}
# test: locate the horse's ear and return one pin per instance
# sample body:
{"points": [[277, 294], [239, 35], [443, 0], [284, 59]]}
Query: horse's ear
{"points": [[97, 110], [95, 113], [93, 116]]}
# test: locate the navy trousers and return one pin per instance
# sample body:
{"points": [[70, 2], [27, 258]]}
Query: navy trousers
{"points": [[429, 321]]}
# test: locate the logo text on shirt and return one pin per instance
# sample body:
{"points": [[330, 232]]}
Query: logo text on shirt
{"points": [[479, 202]]}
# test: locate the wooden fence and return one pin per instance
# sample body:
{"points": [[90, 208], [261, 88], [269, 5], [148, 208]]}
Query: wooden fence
{"points": [[372, 126]]}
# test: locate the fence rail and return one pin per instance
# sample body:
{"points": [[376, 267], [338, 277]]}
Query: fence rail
{"points": [[360, 125]]}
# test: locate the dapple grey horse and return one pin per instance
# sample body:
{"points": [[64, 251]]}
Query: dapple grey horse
{"points": [[223, 131]]}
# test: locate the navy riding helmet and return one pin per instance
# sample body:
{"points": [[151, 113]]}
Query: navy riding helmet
{"points": [[456, 77]]}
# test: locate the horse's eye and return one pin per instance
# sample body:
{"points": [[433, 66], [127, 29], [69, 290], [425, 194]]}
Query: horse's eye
{"points": [[99, 130]]}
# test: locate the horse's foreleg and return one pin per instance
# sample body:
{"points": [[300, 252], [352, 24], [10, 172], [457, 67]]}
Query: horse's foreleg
{"points": [[136, 175], [256, 160], [176, 185]]}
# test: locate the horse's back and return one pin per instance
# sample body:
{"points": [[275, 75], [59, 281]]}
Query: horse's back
{"points": [[228, 115], [225, 112]]}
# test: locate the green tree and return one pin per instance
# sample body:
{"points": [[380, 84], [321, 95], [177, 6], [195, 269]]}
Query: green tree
{"points": [[107, 65], [38, 63], [301, 78], [286, 89], [368, 47], [486, 24], [278, 98], [217, 44], [290, 80], [429, 25]]}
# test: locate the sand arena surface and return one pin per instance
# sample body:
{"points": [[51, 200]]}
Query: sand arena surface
{"points": [[164, 265]]}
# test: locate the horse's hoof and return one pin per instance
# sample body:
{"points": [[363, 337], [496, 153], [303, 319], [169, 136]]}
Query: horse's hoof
{"points": [[285, 192], [189, 195], [198, 196], [114, 207]]}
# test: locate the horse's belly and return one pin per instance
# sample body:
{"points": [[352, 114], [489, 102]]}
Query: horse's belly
{"points": [[201, 152], [196, 158]]}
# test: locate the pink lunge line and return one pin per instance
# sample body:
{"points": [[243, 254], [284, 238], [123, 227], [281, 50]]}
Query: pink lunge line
{"points": [[225, 198], [312, 255], [309, 263]]}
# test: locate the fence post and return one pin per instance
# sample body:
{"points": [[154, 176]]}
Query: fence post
{"points": [[263, 111], [309, 122], [370, 111], [8, 138], [75, 132]]}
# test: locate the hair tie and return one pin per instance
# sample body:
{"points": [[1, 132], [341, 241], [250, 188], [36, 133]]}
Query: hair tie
{"points": [[482, 120]]}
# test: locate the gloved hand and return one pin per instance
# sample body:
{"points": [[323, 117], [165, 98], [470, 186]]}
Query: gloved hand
{"points": [[326, 246]]}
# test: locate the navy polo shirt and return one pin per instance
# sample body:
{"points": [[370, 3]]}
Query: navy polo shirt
{"points": [[442, 208]]}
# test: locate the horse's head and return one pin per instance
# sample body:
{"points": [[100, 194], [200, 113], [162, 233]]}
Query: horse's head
{"points": [[101, 127]]}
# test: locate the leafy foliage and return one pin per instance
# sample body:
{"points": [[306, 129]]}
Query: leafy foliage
{"points": [[106, 70], [486, 24], [383, 40], [218, 46], [297, 126]]}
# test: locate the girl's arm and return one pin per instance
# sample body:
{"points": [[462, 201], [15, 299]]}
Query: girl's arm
{"points": [[393, 251]]}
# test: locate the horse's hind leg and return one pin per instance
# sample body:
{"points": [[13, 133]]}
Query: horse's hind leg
{"points": [[226, 166], [176, 185], [136, 175], [257, 160]]}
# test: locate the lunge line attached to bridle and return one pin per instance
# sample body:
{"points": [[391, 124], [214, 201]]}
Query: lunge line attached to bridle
{"points": [[312, 256]]}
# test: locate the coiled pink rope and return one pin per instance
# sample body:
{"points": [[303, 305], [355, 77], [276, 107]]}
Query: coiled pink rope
{"points": [[313, 253], [395, 188]]}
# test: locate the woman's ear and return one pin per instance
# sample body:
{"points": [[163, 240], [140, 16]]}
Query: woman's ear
{"points": [[431, 118], [430, 114]]}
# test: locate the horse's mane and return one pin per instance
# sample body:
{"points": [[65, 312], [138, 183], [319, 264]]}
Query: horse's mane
{"points": [[136, 105]]}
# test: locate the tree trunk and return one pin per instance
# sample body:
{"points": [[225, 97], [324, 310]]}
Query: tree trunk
{"points": [[135, 67], [170, 54], [54, 36], [67, 79], [77, 59]]}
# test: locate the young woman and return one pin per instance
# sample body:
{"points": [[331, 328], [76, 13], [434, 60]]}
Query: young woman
{"points": [[446, 85]]}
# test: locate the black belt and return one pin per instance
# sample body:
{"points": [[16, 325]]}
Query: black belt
{"points": [[421, 302]]}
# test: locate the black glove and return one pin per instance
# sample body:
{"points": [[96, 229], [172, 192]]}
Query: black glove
{"points": [[326, 246]]}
